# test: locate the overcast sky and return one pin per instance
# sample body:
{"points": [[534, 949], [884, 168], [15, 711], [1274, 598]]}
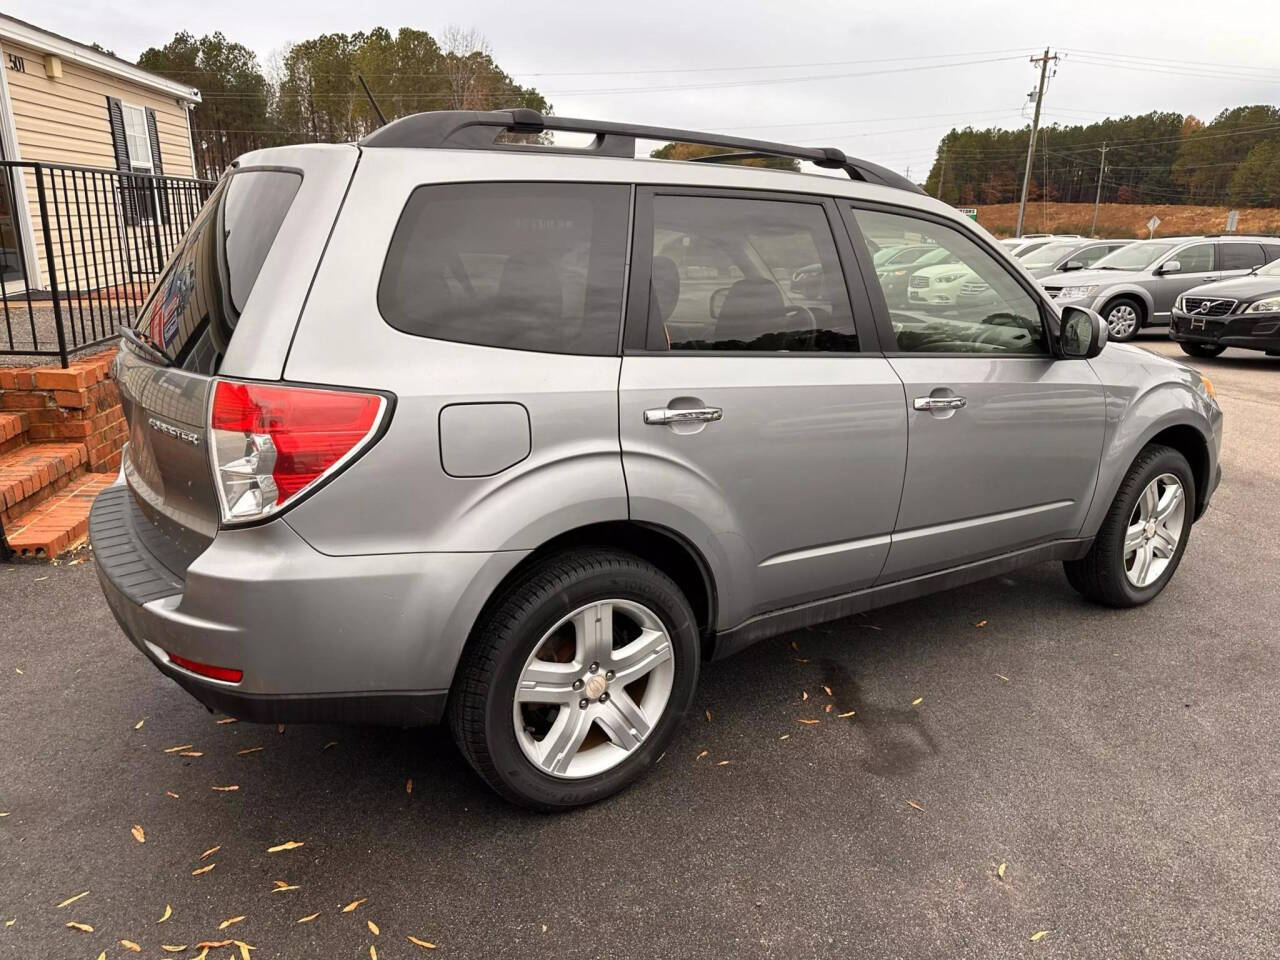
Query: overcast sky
{"points": [[892, 76]]}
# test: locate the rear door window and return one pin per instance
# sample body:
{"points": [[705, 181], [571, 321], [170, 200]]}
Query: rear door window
{"points": [[526, 266], [193, 310], [1241, 256]]}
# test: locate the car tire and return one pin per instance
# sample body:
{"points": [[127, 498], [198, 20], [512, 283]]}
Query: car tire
{"points": [[1205, 350], [1105, 574], [1123, 317], [527, 751]]}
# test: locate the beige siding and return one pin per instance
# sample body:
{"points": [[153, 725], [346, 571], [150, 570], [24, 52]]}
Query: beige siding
{"points": [[65, 121]]}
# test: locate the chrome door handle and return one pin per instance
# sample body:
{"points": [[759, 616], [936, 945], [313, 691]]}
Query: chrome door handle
{"points": [[661, 415], [939, 403]]}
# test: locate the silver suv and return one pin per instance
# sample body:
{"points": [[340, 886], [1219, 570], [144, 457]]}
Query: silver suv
{"points": [[521, 436], [1136, 286]]}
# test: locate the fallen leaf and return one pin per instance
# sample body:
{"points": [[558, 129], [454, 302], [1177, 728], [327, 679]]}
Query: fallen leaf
{"points": [[828, 710], [915, 806], [172, 794], [981, 623], [785, 736], [130, 945], [213, 944], [828, 689], [4, 814], [244, 949], [810, 722], [168, 912], [10, 923], [173, 948], [248, 750], [1039, 935], [800, 659], [848, 713], [1003, 677], [282, 887], [331, 743], [708, 716], [139, 834], [353, 904], [71, 900], [228, 789], [427, 945], [280, 728], [724, 763], [702, 754], [287, 845], [101, 956], [917, 701], [373, 927], [804, 694], [210, 852], [794, 647], [191, 753], [309, 918], [1000, 869], [184, 746], [200, 870], [373, 952], [138, 725], [82, 927], [660, 756], [408, 786], [202, 954], [226, 923], [544, 930], [227, 720], [39, 579]]}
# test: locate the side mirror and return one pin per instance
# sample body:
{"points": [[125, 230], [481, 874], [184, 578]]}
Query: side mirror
{"points": [[1083, 333], [1072, 265], [716, 303], [1170, 266]]}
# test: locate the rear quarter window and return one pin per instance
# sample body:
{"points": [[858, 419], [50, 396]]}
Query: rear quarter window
{"points": [[526, 266]]}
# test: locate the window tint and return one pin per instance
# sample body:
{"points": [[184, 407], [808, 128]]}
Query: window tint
{"points": [[1271, 251], [528, 266], [1242, 256], [192, 312], [963, 301], [1196, 258], [759, 275], [1091, 255]]}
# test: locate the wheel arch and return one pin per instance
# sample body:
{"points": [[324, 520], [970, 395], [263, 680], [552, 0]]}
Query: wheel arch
{"points": [[1143, 298], [1191, 443]]}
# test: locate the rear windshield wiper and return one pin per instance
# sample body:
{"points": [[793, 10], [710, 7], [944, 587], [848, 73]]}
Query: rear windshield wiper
{"points": [[143, 341]]}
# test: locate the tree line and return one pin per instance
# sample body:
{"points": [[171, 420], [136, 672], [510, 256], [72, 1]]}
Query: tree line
{"points": [[309, 92], [1158, 157]]}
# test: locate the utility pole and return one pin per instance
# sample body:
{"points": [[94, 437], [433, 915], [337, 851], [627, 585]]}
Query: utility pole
{"points": [[942, 174], [1044, 62], [1102, 166]]}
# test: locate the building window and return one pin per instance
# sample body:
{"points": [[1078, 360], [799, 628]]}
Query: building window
{"points": [[137, 138]]}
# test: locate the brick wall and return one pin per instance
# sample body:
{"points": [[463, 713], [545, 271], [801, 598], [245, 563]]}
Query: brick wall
{"points": [[80, 404]]}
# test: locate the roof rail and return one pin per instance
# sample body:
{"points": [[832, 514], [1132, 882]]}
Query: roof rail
{"points": [[473, 130]]}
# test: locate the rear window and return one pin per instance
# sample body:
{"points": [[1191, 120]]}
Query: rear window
{"points": [[527, 266], [192, 312], [1242, 256]]}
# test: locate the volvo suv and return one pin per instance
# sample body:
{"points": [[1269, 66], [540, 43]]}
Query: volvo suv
{"points": [[1136, 286], [441, 427]]}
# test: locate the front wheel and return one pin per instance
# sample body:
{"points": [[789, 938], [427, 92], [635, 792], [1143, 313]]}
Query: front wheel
{"points": [[1144, 534], [1205, 350], [574, 681], [1124, 317]]}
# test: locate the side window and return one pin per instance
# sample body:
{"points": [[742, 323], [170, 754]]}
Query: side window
{"points": [[1271, 251], [1089, 255], [527, 266], [1197, 258], [751, 275], [958, 299], [1241, 256]]}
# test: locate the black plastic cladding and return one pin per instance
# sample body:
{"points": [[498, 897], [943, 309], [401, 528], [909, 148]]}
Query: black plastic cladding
{"points": [[474, 130]]}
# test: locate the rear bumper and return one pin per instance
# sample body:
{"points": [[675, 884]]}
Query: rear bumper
{"points": [[1254, 331], [371, 639]]}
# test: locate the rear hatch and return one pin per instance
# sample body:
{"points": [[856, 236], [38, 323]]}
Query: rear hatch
{"points": [[183, 336]]}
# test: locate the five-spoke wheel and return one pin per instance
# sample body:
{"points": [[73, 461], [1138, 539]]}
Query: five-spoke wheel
{"points": [[1155, 528]]}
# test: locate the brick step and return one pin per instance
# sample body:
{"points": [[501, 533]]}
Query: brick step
{"points": [[60, 522], [13, 430], [35, 472]]}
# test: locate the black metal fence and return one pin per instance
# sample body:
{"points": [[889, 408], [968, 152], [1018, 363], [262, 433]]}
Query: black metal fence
{"points": [[79, 249]]}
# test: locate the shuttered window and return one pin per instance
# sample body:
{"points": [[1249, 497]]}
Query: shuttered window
{"points": [[136, 144]]}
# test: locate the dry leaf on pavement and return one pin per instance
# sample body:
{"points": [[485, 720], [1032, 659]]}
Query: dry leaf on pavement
{"points": [[708, 716], [281, 887], [785, 736], [226, 923], [191, 753], [210, 852], [702, 754], [331, 743], [427, 945], [168, 912], [810, 722], [1001, 869], [71, 900], [232, 788], [173, 948], [1003, 677], [1039, 935], [917, 701], [138, 725], [199, 870], [287, 845], [248, 750], [804, 694], [226, 720], [848, 713], [828, 710], [373, 952], [981, 623], [408, 786], [183, 746], [130, 945], [724, 763], [828, 689], [353, 904], [308, 918], [139, 834], [915, 806], [82, 927], [172, 794], [373, 927]]}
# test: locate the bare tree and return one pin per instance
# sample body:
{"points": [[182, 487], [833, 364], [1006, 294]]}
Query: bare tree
{"points": [[467, 56]]}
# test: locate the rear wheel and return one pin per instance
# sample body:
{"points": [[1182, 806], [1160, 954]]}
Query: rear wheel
{"points": [[574, 681], [1124, 318], [1201, 349], [1144, 534]]}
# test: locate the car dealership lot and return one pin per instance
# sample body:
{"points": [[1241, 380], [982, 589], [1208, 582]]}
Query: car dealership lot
{"points": [[1121, 765]]}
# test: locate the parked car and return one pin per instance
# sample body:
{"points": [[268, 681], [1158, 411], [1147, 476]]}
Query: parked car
{"points": [[895, 279], [1244, 312], [902, 255], [1135, 287], [939, 285], [521, 441], [1020, 247], [1064, 256]]}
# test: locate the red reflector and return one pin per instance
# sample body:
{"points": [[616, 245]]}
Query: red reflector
{"points": [[225, 674]]}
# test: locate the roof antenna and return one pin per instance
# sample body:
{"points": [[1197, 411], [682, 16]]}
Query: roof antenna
{"points": [[369, 93]]}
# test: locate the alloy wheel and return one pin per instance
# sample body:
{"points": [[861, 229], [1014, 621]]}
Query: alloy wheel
{"points": [[1154, 531], [594, 688], [1123, 321]]}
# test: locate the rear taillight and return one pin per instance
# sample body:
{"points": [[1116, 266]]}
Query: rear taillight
{"points": [[225, 674], [270, 444]]}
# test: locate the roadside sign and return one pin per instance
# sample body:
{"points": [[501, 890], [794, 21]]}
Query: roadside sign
{"points": [[1233, 220], [970, 212], [1151, 226]]}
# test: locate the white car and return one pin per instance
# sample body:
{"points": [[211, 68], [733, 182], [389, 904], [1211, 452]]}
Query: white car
{"points": [[939, 285]]}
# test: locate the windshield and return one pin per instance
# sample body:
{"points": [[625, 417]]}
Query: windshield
{"points": [[1272, 269], [1048, 255], [1136, 256]]}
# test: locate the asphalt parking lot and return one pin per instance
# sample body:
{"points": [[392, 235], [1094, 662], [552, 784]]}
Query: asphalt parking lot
{"points": [[1121, 766]]}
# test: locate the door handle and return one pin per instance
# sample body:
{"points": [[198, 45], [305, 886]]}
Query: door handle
{"points": [[661, 415], [939, 403]]}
